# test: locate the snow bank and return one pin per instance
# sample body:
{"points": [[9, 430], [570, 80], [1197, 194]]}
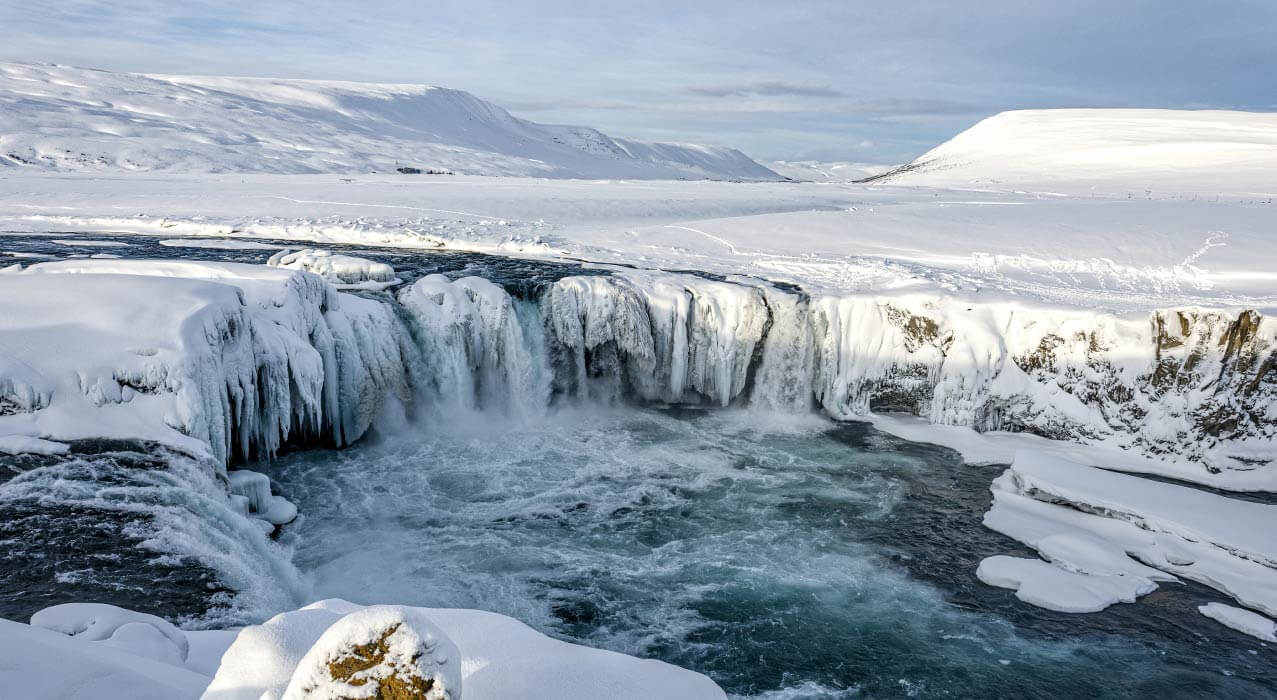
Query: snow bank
{"points": [[1109, 537], [228, 358], [342, 271], [58, 117], [496, 657], [96, 622], [1243, 621], [40, 664]]}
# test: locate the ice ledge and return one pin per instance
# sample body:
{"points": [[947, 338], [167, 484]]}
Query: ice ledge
{"points": [[1107, 537]]}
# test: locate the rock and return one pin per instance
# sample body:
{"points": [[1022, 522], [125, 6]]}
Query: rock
{"points": [[387, 652]]}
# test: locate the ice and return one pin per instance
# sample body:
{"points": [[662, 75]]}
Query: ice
{"points": [[671, 337], [19, 444], [228, 358], [255, 488], [1243, 621], [1039, 583], [497, 657], [477, 351], [342, 271], [1110, 536]]}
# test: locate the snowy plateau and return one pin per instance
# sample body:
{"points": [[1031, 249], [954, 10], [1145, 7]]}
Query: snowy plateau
{"points": [[1084, 296]]}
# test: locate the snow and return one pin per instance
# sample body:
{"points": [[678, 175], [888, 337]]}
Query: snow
{"points": [[1108, 537], [97, 622], [64, 118], [20, 444], [39, 664], [213, 358], [218, 243], [498, 658], [255, 488], [1038, 583], [827, 171], [80, 651], [1204, 151], [416, 650], [1243, 621], [342, 271]]}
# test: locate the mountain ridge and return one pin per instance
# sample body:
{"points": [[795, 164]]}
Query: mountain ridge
{"points": [[77, 119]]}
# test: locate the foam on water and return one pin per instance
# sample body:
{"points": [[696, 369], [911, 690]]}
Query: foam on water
{"points": [[787, 557]]}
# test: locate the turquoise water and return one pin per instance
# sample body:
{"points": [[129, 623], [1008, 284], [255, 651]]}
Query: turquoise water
{"points": [[786, 557]]}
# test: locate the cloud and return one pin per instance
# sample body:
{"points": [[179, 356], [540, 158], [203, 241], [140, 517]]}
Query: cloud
{"points": [[772, 88]]}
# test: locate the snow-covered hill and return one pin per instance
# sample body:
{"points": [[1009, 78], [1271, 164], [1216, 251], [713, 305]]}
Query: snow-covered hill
{"points": [[1194, 151], [64, 118]]}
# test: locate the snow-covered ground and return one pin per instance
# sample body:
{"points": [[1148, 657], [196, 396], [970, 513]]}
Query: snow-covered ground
{"points": [[1060, 304], [63, 118], [86, 651]]}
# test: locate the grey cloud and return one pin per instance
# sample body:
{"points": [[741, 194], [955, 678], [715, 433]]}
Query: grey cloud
{"points": [[772, 88]]}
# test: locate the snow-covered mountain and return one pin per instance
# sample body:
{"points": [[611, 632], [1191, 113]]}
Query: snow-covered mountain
{"points": [[64, 118], [1186, 150]]}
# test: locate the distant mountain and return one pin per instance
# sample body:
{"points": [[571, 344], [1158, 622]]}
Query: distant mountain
{"points": [[63, 118], [827, 171], [1183, 149]]}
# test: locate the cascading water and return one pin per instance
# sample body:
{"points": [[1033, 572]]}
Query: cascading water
{"points": [[773, 549]]}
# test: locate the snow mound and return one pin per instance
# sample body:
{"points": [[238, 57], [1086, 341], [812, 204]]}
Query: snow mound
{"points": [[343, 271], [97, 622], [1201, 150], [1243, 621], [40, 664], [64, 118], [495, 657]]}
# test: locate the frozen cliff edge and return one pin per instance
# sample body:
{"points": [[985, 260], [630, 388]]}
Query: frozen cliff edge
{"points": [[223, 360], [122, 654], [1191, 392]]}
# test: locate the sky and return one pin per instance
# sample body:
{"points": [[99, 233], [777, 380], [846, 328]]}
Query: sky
{"points": [[874, 82]]}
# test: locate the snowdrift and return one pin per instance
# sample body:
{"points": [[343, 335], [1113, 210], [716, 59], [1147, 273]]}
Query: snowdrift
{"points": [[63, 118], [1146, 150], [109, 653]]}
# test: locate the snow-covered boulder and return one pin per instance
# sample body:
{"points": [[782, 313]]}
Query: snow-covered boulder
{"points": [[343, 271], [497, 658], [382, 651]]}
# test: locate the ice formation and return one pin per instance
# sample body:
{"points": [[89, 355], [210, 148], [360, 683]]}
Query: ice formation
{"points": [[1244, 621], [343, 271], [241, 358], [1108, 537]]}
